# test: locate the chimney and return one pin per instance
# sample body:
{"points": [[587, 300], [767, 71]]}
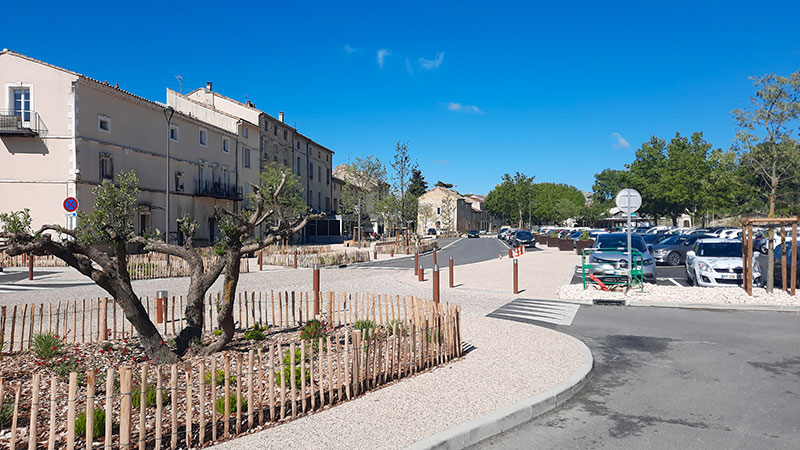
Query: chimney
{"points": [[208, 86], [280, 116]]}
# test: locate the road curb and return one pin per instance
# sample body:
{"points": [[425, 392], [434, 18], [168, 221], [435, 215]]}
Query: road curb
{"points": [[718, 307], [480, 428]]}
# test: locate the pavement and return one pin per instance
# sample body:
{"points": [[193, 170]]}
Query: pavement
{"points": [[674, 378]]}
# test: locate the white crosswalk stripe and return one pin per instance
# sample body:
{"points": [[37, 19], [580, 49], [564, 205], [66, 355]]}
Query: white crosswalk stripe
{"points": [[555, 312], [6, 288]]}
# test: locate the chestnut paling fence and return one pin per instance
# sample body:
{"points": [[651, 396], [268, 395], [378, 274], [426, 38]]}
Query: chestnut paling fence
{"points": [[219, 397], [140, 267], [101, 319]]}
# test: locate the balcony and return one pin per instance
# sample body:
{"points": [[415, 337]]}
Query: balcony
{"points": [[21, 123], [210, 188]]}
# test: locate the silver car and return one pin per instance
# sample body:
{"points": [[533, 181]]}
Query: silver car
{"points": [[609, 261]]}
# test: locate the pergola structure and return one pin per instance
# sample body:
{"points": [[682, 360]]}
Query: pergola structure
{"points": [[747, 251]]}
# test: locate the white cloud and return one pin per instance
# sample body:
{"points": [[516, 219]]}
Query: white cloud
{"points": [[382, 54], [430, 64], [453, 106], [619, 141], [409, 69], [348, 49]]}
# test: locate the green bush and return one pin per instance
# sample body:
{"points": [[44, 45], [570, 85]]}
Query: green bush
{"points": [[584, 235], [217, 332], [149, 397], [287, 372], [6, 414], [401, 328], [255, 333], [99, 425], [231, 405], [365, 327], [220, 378], [63, 368], [47, 346], [313, 330]]}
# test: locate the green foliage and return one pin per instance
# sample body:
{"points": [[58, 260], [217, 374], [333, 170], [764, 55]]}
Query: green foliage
{"points": [[6, 413], [47, 346], [111, 219], [365, 326], [17, 222], [98, 426], [365, 184], [584, 236], [64, 367], [231, 405], [220, 378], [417, 184], [313, 330], [398, 324], [217, 332], [441, 183], [287, 369], [255, 333], [149, 397]]}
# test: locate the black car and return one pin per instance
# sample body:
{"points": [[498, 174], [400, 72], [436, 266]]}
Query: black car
{"points": [[779, 272], [473, 234], [524, 238]]}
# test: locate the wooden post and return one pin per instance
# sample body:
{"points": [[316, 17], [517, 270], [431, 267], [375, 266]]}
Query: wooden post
{"points": [[516, 276], [89, 409], [420, 273], [51, 442], [173, 323], [451, 271], [173, 392], [143, 407], [794, 257], [2, 327], [226, 417], [13, 329], [436, 283], [83, 322], [114, 322], [74, 321], [250, 419], [416, 263], [293, 380], [283, 381], [159, 408], [201, 382], [109, 406], [260, 386], [71, 404], [271, 382], [22, 328], [30, 267], [784, 281], [346, 362], [125, 408], [104, 320], [745, 268], [213, 388], [750, 256], [187, 419]]}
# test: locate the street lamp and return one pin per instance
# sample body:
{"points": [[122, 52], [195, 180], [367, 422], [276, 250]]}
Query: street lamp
{"points": [[168, 113]]}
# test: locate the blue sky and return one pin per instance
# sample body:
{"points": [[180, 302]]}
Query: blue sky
{"points": [[476, 88]]}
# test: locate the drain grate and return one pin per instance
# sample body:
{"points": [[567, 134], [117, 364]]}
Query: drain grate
{"points": [[608, 302]]}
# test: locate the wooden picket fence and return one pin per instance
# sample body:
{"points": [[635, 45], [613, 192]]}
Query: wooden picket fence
{"points": [[309, 259], [398, 249], [193, 407]]}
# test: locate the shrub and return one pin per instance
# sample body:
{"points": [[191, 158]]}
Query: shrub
{"points": [[47, 346], [217, 332], [99, 425], [149, 397], [255, 333], [6, 414], [64, 367], [287, 372], [365, 326], [231, 405], [313, 330], [584, 236], [220, 378], [401, 328]]}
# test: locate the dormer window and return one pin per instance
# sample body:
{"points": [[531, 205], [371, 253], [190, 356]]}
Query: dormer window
{"points": [[104, 123]]}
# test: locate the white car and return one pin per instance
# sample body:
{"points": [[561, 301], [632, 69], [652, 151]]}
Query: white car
{"points": [[718, 262], [729, 233]]}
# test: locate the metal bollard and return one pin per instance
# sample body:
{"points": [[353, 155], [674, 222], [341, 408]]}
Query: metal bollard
{"points": [[421, 273], [375, 254], [161, 306], [434, 257], [316, 289], [416, 263], [510, 253], [391, 253], [295, 259], [516, 276], [260, 260], [436, 283], [30, 267], [451, 271]]}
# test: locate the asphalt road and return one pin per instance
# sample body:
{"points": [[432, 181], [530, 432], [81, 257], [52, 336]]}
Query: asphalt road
{"points": [[463, 251], [676, 379]]}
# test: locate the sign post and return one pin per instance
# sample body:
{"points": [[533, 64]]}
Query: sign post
{"points": [[70, 206], [629, 201]]}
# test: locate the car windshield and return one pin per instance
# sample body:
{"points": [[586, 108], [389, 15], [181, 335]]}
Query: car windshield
{"points": [[720, 249], [524, 235], [620, 241], [673, 240]]}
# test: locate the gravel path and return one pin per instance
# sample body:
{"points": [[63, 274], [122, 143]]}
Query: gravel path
{"points": [[510, 360]]}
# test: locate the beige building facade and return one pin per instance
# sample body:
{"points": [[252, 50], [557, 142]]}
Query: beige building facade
{"points": [[450, 211], [63, 133]]}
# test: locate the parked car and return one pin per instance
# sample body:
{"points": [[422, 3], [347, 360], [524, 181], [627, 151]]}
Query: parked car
{"points": [[614, 265], [672, 250], [718, 262], [524, 238], [779, 272], [432, 231], [473, 234], [652, 239]]}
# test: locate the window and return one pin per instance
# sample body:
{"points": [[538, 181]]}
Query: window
{"points": [[438, 211], [245, 157], [226, 145], [178, 181], [106, 167], [266, 151], [22, 103], [298, 145], [285, 135], [226, 175], [298, 166], [310, 199], [319, 200], [327, 203], [328, 176], [319, 155], [104, 123], [201, 174], [275, 130], [244, 131], [311, 170], [319, 173], [203, 137], [174, 133]]}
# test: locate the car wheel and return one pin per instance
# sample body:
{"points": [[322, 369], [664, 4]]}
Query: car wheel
{"points": [[689, 279], [764, 249], [674, 259]]}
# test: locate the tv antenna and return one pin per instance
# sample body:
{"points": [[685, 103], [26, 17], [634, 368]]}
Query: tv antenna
{"points": [[180, 83]]}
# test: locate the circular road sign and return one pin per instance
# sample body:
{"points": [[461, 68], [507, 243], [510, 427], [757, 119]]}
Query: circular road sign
{"points": [[629, 200], [70, 204]]}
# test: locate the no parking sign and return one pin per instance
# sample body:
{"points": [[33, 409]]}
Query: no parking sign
{"points": [[70, 204]]}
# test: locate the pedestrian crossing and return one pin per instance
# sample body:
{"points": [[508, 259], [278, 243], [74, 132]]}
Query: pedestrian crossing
{"points": [[9, 288], [549, 311]]}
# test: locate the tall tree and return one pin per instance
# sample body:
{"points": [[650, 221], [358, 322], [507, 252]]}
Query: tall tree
{"points": [[403, 169], [764, 129], [448, 212], [365, 185], [417, 184], [441, 183]]}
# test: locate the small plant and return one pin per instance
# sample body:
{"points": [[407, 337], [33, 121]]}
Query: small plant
{"points": [[231, 405], [220, 378], [584, 236], [287, 370], [108, 346], [313, 331], [47, 346], [98, 427], [217, 332], [364, 326], [64, 367], [432, 335], [149, 397], [255, 333], [401, 328], [6, 414]]}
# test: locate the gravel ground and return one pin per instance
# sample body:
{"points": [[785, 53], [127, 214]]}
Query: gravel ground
{"points": [[683, 295], [510, 361]]}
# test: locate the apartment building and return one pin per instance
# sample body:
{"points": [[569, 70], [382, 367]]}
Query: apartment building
{"points": [[62, 133], [466, 212]]}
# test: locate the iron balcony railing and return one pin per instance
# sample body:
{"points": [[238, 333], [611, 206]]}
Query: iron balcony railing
{"points": [[210, 188], [21, 123]]}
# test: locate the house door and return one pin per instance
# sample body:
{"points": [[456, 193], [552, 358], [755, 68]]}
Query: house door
{"points": [[22, 104]]}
